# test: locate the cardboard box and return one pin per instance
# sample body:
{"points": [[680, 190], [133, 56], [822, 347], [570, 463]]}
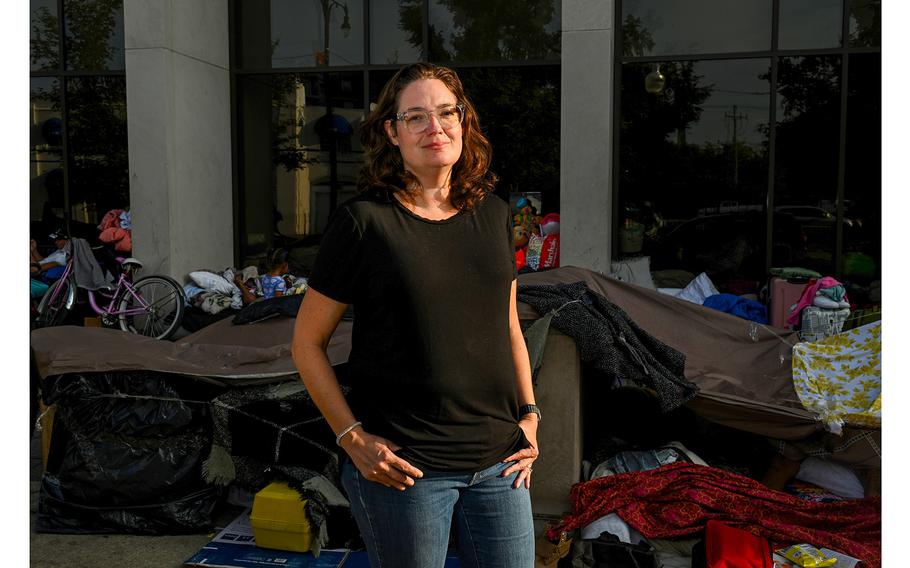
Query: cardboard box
{"points": [[279, 520]]}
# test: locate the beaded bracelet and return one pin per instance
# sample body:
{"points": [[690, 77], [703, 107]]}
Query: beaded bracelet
{"points": [[346, 431]]}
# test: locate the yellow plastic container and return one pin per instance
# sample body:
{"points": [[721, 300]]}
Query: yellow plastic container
{"points": [[278, 519]]}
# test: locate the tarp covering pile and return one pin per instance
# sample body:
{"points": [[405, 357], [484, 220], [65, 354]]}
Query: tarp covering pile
{"points": [[743, 370]]}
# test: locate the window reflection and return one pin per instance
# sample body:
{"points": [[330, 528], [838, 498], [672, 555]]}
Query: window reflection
{"points": [[863, 182], [810, 24], [306, 159], [670, 27], [46, 151], [504, 30], [396, 31], [44, 36], [693, 167], [519, 113], [94, 34], [808, 131], [97, 147], [294, 33], [865, 23]]}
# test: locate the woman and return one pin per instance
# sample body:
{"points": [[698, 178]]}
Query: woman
{"points": [[441, 424]]}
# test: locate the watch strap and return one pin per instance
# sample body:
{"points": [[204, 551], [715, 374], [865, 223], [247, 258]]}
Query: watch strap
{"points": [[529, 409]]}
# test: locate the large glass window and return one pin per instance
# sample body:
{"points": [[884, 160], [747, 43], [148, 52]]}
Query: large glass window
{"points": [[698, 187], [46, 145], [44, 35], [502, 30], [866, 23], [396, 31], [78, 139], [98, 161], [694, 165], [806, 159], [295, 33], [299, 153], [825, 29], [670, 27], [519, 113], [862, 240], [94, 34]]}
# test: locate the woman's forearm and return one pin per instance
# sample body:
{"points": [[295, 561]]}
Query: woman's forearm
{"points": [[322, 384]]}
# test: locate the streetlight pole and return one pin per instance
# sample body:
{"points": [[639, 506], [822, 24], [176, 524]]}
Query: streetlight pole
{"points": [[327, 6]]}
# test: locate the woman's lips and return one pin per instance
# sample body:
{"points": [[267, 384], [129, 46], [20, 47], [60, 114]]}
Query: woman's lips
{"points": [[436, 146]]}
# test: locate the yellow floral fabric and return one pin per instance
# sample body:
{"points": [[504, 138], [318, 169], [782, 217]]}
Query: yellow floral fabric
{"points": [[840, 377]]}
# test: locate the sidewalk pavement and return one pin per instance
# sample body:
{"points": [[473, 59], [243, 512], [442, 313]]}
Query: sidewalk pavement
{"points": [[97, 551]]}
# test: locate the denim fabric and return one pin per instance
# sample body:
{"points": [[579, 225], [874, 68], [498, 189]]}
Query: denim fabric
{"points": [[410, 528], [635, 460]]}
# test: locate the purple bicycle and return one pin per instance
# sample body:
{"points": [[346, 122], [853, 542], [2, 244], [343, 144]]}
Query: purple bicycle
{"points": [[151, 306]]}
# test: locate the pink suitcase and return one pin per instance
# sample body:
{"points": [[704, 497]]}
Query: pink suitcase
{"points": [[784, 297]]}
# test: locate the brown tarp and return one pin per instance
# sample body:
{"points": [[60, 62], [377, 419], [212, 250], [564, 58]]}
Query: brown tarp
{"points": [[743, 369]]}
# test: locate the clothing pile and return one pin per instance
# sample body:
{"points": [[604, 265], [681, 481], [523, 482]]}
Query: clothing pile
{"points": [[611, 341], [116, 228], [213, 292], [654, 505]]}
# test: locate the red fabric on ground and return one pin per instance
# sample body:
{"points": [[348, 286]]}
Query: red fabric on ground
{"points": [[678, 499]]}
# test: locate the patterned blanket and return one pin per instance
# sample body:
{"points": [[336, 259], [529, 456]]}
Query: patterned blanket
{"points": [[679, 499], [840, 377]]}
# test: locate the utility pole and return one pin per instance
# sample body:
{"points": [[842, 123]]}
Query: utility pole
{"points": [[734, 117]]}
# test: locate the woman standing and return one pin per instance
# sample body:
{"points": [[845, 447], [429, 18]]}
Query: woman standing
{"points": [[441, 425]]}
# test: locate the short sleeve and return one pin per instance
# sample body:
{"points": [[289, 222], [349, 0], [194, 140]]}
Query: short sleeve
{"points": [[339, 262], [511, 237]]}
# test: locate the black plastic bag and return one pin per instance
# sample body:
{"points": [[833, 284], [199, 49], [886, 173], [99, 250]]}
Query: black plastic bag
{"points": [[126, 455]]}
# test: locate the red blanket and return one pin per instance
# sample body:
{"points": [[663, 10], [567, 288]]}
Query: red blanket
{"points": [[678, 499]]}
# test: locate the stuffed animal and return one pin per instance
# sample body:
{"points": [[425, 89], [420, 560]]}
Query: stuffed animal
{"points": [[527, 216]]}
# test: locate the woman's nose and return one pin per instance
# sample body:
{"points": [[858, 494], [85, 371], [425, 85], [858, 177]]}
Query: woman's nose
{"points": [[434, 125]]}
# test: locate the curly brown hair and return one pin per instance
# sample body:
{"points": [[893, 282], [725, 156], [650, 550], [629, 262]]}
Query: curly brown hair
{"points": [[384, 171]]}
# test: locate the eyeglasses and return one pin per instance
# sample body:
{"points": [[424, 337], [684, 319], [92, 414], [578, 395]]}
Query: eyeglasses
{"points": [[417, 120]]}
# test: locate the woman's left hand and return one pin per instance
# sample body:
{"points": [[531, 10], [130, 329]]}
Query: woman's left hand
{"points": [[525, 457]]}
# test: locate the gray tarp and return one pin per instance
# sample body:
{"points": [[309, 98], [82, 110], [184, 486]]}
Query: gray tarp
{"points": [[743, 370]]}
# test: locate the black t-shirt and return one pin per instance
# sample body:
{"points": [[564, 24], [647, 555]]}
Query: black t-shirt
{"points": [[431, 362]]}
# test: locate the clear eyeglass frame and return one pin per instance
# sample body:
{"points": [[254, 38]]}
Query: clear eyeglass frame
{"points": [[417, 120]]}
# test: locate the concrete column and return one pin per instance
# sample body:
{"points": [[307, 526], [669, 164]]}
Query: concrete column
{"points": [[179, 127], [586, 199]]}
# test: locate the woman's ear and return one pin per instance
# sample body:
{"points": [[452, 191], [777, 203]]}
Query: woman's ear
{"points": [[390, 132]]}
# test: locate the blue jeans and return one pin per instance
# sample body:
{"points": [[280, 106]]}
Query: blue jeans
{"points": [[410, 528]]}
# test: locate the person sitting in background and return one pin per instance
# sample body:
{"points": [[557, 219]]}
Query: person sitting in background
{"points": [[272, 284], [50, 267]]}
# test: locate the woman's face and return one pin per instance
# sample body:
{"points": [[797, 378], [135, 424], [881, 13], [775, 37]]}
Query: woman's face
{"points": [[435, 147]]}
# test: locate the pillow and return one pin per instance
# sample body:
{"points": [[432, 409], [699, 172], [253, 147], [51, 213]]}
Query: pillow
{"points": [[212, 282], [698, 290], [634, 271]]}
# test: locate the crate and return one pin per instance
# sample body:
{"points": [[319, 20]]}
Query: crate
{"points": [[279, 520]]}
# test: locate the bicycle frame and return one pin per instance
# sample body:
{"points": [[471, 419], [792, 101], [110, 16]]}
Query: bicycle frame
{"points": [[56, 289], [111, 309]]}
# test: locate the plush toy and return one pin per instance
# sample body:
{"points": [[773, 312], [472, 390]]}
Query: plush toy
{"points": [[527, 216]]}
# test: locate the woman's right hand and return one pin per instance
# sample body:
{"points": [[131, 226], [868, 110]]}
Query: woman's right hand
{"points": [[376, 461]]}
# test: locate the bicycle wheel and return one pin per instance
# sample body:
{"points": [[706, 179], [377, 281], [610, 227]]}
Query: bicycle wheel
{"points": [[156, 308], [57, 301]]}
